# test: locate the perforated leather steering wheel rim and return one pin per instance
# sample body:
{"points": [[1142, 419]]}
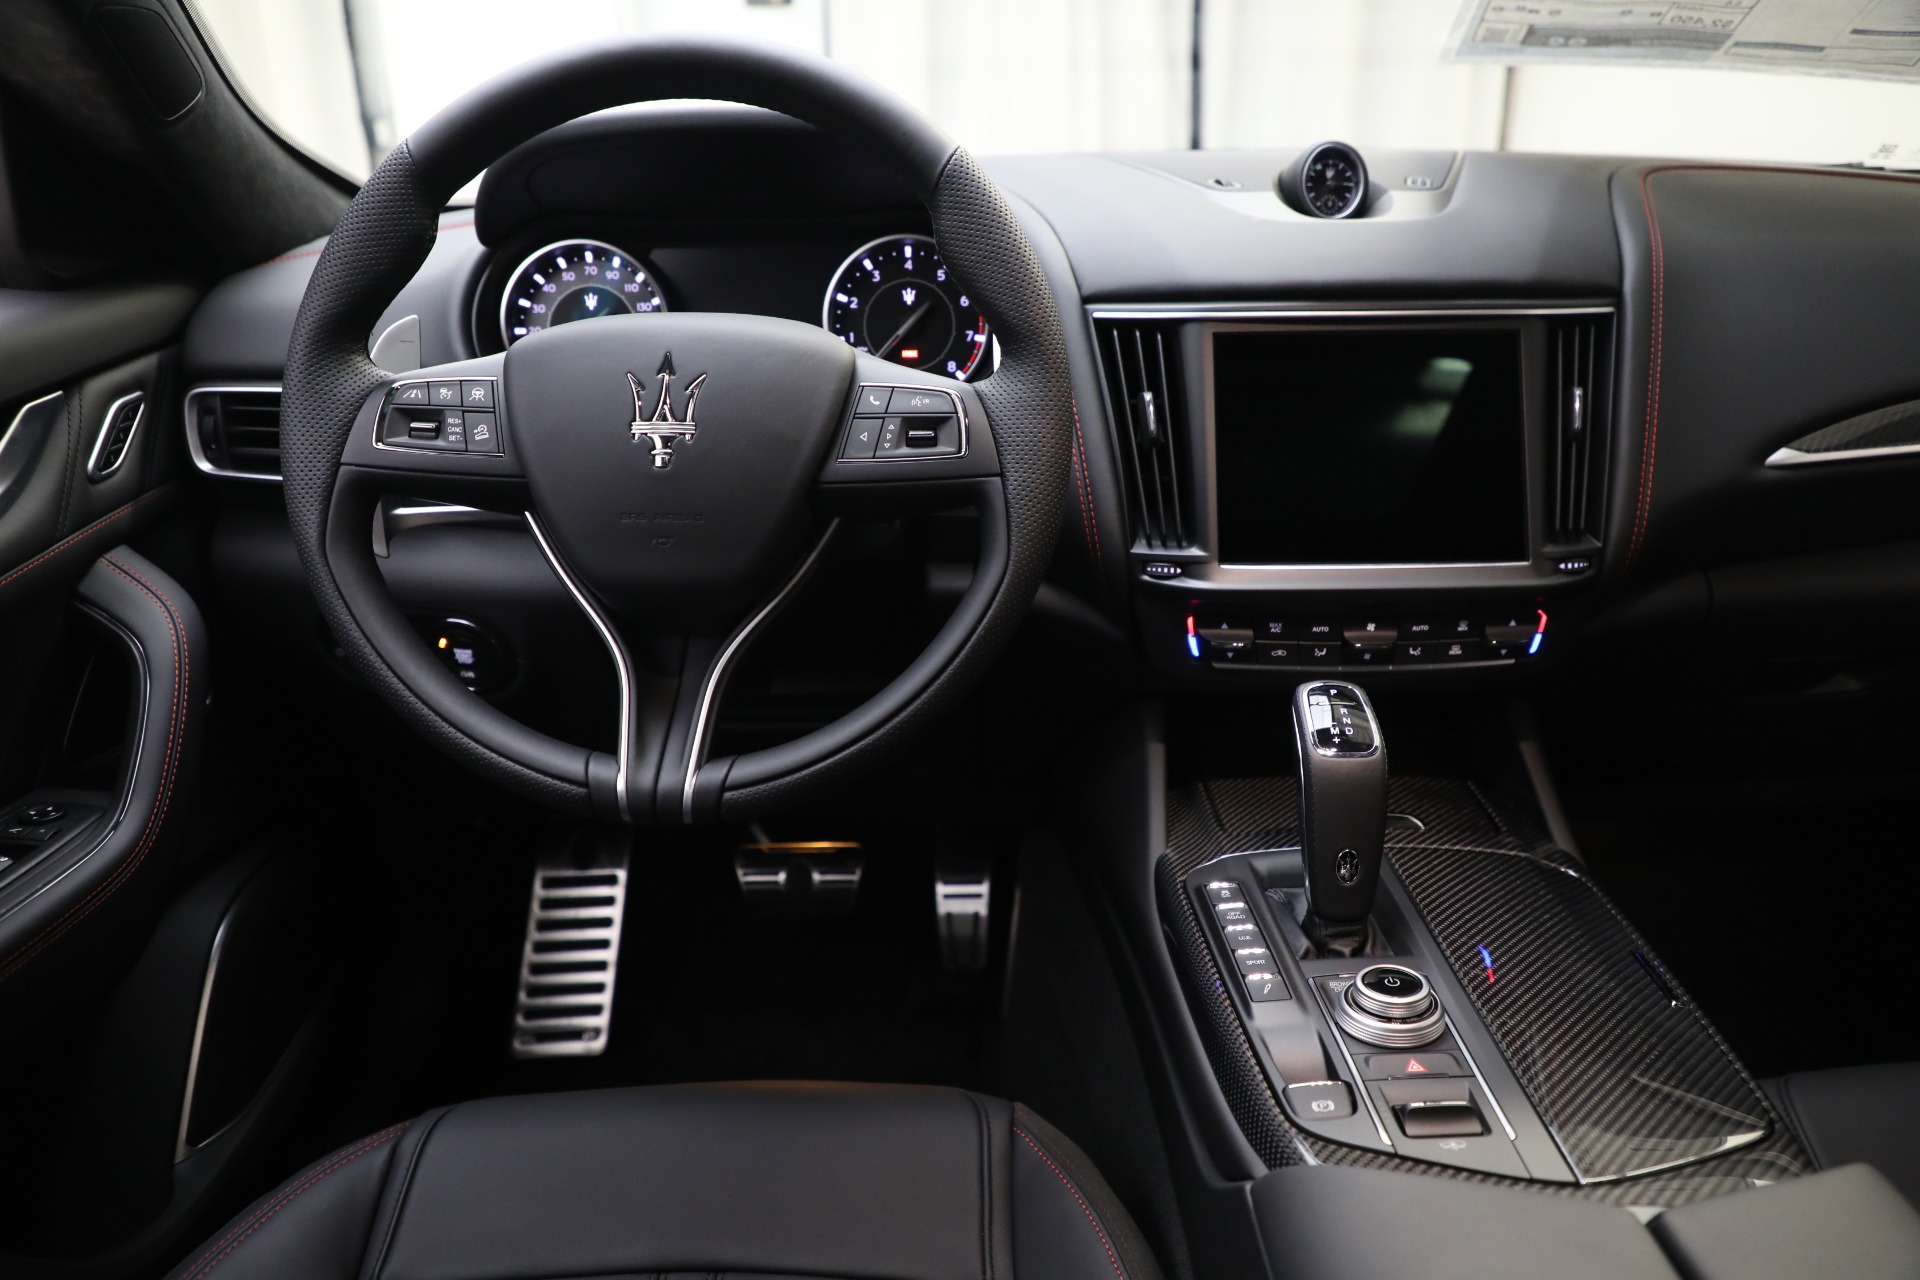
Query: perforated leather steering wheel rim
{"points": [[386, 234]]}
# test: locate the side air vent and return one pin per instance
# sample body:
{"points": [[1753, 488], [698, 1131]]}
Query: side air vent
{"points": [[1580, 365], [1141, 360], [235, 431]]}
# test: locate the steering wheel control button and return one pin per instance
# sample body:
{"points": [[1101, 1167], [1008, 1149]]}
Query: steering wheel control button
{"points": [[1412, 1066], [919, 422], [1264, 987], [1320, 1100], [863, 437], [436, 416], [483, 435], [908, 400], [1391, 1006]]}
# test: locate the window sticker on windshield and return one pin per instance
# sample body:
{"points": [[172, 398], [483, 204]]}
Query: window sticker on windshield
{"points": [[1877, 39]]}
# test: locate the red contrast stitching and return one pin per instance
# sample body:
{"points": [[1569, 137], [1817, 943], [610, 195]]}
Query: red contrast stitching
{"points": [[169, 771], [315, 251], [1066, 1182], [206, 1262], [1083, 479], [101, 523], [1650, 428]]}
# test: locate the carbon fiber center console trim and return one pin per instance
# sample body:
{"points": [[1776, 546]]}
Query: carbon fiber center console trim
{"points": [[1644, 1097]]}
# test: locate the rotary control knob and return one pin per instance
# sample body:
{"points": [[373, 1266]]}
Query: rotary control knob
{"points": [[1391, 1006]]}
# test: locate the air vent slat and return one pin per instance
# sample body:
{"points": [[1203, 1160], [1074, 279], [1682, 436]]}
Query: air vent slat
{"points": [[1145, 408], [1580, 366], [235, 431]]}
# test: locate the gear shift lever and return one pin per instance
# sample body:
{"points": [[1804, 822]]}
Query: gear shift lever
{"points": [[1343, 800]]}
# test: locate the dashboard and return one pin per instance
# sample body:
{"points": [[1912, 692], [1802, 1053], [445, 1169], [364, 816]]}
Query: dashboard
{"points": [[1436, 417]]}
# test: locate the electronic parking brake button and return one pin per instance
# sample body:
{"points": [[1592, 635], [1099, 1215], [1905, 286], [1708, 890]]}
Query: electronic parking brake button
{"points": [[1321, 1100]]}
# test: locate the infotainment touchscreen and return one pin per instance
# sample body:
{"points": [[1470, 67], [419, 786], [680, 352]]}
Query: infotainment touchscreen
{"points": [[1369, 447]]}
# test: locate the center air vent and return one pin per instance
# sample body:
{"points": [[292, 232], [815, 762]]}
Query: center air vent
{"points": [[1141, 360], [235, 431], [1579, 365]]}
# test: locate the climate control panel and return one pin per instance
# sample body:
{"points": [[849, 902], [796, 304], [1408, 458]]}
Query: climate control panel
{"points": [[1365, 641]]}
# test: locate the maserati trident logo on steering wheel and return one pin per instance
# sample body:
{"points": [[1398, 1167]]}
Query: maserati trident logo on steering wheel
{"points": [[662, 428]]}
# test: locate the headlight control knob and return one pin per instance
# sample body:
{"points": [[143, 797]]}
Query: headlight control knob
{"points": [[1391, 1006]]}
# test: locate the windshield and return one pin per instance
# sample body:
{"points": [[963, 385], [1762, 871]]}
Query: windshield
{"points": [[1834, 80]]}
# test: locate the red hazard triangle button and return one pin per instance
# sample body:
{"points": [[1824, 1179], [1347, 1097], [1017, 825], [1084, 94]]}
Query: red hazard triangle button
{"points": [[1391, 1066]]}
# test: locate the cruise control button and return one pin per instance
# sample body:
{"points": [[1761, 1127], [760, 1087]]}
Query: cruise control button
{"points": [[1387, 1066], [908, 401], [1263, 987], [444, 395], [414, 394], [453, 429], [483, 433], [476, 395], [872, 400], [863, 437], [1321, 1100]]}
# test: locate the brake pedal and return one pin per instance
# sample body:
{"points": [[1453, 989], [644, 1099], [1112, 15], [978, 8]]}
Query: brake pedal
{"points": [[569, 961]]}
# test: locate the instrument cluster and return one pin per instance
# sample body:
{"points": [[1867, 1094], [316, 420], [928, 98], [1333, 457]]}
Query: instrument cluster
{"points": [[892, 297]]}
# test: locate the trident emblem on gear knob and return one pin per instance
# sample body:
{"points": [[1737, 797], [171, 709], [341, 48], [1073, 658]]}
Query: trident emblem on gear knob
{"points": [[662, 428]]}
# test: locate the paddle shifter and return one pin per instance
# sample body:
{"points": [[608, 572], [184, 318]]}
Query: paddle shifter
{"points": [[1343, 810]]}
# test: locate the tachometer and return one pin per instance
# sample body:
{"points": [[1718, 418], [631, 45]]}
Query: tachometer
{"points": [[574, 280], [894, 298]]}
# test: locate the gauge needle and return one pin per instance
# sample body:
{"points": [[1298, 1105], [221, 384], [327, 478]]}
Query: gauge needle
{"points": [[912, 319]]}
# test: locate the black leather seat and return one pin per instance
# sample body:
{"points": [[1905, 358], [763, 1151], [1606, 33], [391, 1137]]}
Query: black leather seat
{"points": [[782, 1180], [1866, 1114]]}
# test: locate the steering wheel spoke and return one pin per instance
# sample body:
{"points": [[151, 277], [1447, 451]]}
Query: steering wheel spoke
{"points": [[908, 443]]}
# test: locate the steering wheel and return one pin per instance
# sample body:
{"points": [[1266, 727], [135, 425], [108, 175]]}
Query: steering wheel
{"points": [[681, 472]]}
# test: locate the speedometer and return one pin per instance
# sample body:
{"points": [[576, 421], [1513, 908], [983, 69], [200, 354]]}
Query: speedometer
{"points": [[895, 299], [574, 280]]}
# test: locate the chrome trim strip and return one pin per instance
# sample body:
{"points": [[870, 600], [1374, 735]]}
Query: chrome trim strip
{"points": [[717, 673], [180, 1148], [94, 471], [1788, 456], [12, 435], [1426, 564], [193, 436], [623, 664]]}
